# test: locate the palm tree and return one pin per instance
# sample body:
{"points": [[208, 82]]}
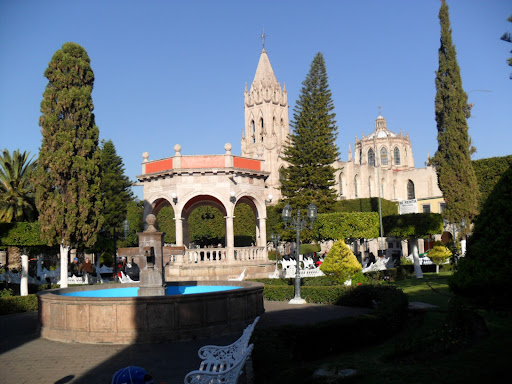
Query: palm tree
{"points": [[17, 194]]}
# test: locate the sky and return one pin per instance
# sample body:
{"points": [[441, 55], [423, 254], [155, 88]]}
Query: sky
{"points": [[174, 72]]}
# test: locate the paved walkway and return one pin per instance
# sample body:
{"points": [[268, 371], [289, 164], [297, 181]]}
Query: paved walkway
{"points": [[25, 358]]}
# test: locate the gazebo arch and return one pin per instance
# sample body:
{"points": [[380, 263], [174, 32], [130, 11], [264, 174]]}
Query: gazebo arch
{"points": [[222, 181]]}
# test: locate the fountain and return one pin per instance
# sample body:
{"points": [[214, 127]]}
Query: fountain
{"points": [[150, 311]]}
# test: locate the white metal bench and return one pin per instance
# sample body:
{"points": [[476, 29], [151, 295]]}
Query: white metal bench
{"points": [[219, 371], [227, 352]]}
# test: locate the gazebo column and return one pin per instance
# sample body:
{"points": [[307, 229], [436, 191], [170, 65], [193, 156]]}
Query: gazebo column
{"points": [[262, 229], [230, 239], [178, 223]]}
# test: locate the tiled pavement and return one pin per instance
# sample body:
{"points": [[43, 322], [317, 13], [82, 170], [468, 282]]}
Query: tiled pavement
{"points": [[25, 358]]}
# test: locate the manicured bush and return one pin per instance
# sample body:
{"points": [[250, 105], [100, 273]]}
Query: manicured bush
{"points": [[488, 172], [390, 302], [346, 225], [340, 264], [292, 344], [16, 304], [367, 205], [309, 248], [483, 275], [439, 254]]}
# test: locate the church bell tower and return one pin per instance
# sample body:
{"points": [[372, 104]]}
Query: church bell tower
{"points": [[266, 122]]}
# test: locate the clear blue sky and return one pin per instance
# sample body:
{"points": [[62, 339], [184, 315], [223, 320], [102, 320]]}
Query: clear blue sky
{"points": [[170, 72]]}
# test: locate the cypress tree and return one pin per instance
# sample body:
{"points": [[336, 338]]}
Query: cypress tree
{"points": [[311, 149], [455, 173], [507, 36], [115, 188], [67, 180]]}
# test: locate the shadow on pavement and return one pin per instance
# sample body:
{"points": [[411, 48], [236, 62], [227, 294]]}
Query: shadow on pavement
{"points": [[30, 359]]}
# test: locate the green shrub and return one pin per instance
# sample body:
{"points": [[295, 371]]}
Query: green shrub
{"points": [[16, 304], [346, 225], [309, 248], [6, 292], [272, 255], [292, 344], [483, 275], [390, 302], [340, 264]]}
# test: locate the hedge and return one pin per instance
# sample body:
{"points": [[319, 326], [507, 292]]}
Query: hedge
{"points": [[412, 225], [16, 304], [488, 172], [346, 225], [288, 345], [368, 205]]}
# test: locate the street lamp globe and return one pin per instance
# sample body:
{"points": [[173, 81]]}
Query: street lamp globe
{"points": [[287, 213]]}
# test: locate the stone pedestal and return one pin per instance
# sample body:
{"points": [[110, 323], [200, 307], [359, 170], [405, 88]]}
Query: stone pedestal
{"points": [[151, 283], [151, 247]]}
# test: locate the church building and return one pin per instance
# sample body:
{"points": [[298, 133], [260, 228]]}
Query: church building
{"points": [[382, 161]]}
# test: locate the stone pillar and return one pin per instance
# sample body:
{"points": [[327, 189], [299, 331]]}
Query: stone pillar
{"points": [[64, 252], [262, 225], [176, 160], [152, 277], [24, 276], [230, 239], [228, 157], [178, 223]]}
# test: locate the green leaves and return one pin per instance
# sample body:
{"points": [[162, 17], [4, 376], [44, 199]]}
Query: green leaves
{"points": [[17, 197], [311, 148], [412, 225], [68, 176], [456, 176], [114, 187], [346, 225]]}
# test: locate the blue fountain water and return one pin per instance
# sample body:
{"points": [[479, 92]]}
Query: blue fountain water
{"points": [[171, 290]]}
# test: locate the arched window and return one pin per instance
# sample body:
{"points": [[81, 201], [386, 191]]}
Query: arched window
{"points": [[253, 132], [410, 190], [340, 183], [371, 158], [396, 155], [262, 130], [370, 186], [383, 156], [355, 186]]}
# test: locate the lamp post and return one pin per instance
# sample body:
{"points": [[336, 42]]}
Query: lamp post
{"points": [[276, 239], [299, 223]]}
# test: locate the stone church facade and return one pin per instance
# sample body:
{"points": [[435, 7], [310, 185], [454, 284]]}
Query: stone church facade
{"points": [[381, 161]]}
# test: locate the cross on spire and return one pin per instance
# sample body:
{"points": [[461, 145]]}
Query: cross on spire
{"points": [[262, 37], [380, 110]]}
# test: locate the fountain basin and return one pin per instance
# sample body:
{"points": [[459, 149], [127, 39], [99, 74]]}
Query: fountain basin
{"points": [[147, 319]]}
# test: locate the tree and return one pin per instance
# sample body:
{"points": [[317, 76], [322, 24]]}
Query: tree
{"points": [[452, 161], [17, 195], [507, 36], [166, 223], [134, 213], [340, 264], [68, 194], [413, 226], [483, 275], [439, 254], [115, 189], [311, 149]]}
